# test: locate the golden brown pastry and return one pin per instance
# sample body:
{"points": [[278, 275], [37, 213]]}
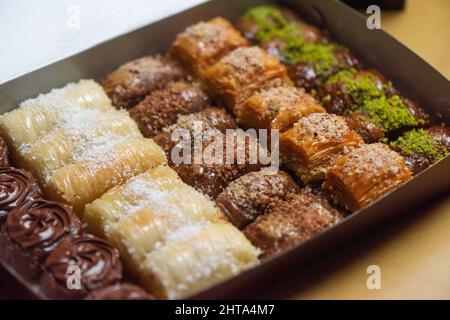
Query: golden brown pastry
{"points": [[197, 257], [251, 195], [276, 108], [162, 107], [302, 216], [131, 82], [204, 43], [244, 71], [314, 143], [364, 174], [107, 162]]}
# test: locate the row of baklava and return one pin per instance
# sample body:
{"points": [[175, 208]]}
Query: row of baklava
{"points": [[92, 157]]}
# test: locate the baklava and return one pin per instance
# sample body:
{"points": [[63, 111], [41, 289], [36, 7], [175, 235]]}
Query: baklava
{"points": [[364, 174], [251, 195], [162, 107], [312, 145], [203, 44], [131, 82], [243, 72], [276, 108], [290, 222]]}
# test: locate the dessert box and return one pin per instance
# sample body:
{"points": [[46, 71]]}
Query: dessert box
{"points": [[414, 77]]}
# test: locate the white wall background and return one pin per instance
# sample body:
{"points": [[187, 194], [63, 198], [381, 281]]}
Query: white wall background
{"points": [[34, 33]]}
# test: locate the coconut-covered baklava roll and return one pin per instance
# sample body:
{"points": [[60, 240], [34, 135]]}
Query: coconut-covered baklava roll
{"points": [[35, 117], [205, 157], [162, 107], [195, 258], [244, 71], [131, 82], [276, 108], [249, 196], [347, 89], [107, 162], [364, 174], [204, 43], [263, 22], [137, 214], [302, 216], [63, 144], [423, 147], [381, 118], [314, 143]]}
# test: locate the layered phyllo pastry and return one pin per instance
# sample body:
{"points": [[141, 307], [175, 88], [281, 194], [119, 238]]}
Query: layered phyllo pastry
{"points": [[17, 187], [294, 220], [309, 61], [131, 82], [36, 117], [78, 145], [97, 264], [172, 237], [243, 72], [364, 174], [203, 44], [208, 158], [251, 195], [423, 147], [314, 143], [276, 108], [195, 258]]}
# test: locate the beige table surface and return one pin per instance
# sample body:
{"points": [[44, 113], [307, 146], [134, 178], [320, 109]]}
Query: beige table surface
{"points": [[413, 253]]}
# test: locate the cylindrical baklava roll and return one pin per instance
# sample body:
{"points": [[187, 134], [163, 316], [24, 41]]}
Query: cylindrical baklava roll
{"points": [[203, 44], [17, 187], [302, 216], [364, 174], [136, 216], [78, 267], [276, 108], [312, 145], [162, 107], [251, 195], [60, 146], [423, 147], [36, 117], [195, 258], [131, 82], [110, 161], [119, 291], [243, 72], [32, 231]]}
